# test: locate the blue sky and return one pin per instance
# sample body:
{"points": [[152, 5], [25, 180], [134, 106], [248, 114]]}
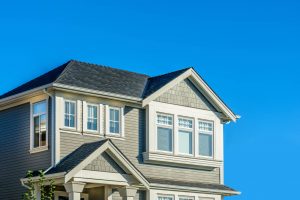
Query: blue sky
{"points": [[248, 51]]}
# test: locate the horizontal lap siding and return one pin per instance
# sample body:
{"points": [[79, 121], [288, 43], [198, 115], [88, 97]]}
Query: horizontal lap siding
{"points": [[14, 150]]}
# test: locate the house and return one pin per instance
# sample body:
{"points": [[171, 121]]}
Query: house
{"points": [[104, 133]]}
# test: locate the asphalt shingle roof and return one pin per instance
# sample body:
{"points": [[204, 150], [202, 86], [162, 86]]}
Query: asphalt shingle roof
{"points": [[192, 184], [76, 157], [100, 78]]}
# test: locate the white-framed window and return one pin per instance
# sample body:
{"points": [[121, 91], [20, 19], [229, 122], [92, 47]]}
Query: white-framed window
{"points": [[39, 124], [70, 114], [185, 135], [186, 198], [92, 117], [205, 138], [165, 131], [165, 197], [115, 120]]}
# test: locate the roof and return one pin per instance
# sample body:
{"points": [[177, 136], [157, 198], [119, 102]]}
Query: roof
{"points": [[191, 184], [76, 157], [100, 78]]}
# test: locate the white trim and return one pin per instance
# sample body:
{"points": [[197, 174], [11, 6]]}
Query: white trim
{"points": [[57, 194], [116, 155], [121, 122], [75, 114], [201, 85], [33, 149]]}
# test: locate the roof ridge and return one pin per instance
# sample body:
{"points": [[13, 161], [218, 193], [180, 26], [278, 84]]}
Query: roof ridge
{"points": [[176, 71], [69, 63], [105, 66]]}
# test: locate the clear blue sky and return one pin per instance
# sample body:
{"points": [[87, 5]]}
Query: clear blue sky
{"points": [[248, 51]]}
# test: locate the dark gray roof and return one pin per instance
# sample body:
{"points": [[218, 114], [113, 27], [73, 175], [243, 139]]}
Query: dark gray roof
{"points": [[192, 184], [76, 157], [100, 78]]}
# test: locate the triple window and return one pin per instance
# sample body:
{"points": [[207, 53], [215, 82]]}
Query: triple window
{"points": [[39, 120], [186, 135]]}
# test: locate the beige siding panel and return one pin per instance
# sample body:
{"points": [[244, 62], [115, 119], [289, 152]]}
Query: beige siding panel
{"points": [[185, 94]]}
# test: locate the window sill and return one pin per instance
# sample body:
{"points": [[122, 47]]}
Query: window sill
{"points": [[181, 160], [38, 149], [114, 136]]}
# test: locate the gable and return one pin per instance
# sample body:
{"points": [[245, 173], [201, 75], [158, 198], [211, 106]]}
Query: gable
{"points": [[104, 163], [185, 94]]}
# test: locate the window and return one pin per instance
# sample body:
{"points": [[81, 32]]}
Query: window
{"points": [[185, 136], [164, 132], [186, 198], [70, 114], [164, 197], [39, 116], [114, 120], [92, 117], [205, 138]]}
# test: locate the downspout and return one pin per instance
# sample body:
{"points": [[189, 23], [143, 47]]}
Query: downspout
{"points": [[52, 129]]}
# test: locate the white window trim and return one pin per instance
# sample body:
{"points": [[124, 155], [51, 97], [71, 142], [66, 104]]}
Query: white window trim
{"points": [[186, 197], [33, 149], [86, 118], [164, 126], [75, 114], [187, 130], [212, 133], [121, 123], [165, 195]]}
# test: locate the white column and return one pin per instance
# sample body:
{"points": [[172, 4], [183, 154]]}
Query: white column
{"points": [[74, 189], [128, 192], [107, 193]]}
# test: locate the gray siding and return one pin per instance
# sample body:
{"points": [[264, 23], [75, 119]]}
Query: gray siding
{"points": [[134, 145], [14, 151], [185, 94], [104, 163]]}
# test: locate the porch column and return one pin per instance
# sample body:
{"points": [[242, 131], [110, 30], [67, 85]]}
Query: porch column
{"points": [[37, 192], [74, 190], [127, 192]]}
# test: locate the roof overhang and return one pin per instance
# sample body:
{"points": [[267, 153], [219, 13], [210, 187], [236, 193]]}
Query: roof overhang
{"points": [[202, 86]]}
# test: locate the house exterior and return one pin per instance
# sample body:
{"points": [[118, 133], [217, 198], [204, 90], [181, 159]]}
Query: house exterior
{"points": [[104, 133]]}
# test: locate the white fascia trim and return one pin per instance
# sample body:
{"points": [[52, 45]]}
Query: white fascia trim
{"points": [[47, 177], [192, 189], [98, 93], [210, 94], [112, 151], [22, 94]]}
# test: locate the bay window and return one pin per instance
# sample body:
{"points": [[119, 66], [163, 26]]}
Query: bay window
{"points": [[69, 114], [39, 120], [164, 132], [185, 136], [205, 138], [92, 117]]}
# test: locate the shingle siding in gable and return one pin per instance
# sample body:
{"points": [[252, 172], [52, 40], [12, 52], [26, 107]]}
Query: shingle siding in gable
{"points": [[185, 94], [14, 151]]}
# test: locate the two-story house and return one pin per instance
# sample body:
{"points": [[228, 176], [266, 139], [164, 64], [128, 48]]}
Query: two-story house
{"points": [[104, 133]]}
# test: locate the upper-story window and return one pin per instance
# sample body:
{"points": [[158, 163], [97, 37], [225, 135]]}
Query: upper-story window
{"points": [[164, 132], [205, 138], [114, 120], [92, 117], [165, 197], [185, 135], [70, 116], [39, 118], [186, 198]]}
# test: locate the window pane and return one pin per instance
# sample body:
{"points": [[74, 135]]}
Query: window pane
{"points": [[164, 139], [205, 144], [36, 134], [39, 107], [185, 123], [165, 198], [72, 121], [205, 126], [67, 107], [72, 108], [111, 115], [164, 119], [67, 120], [43, 122], [185, 142], [43, 138], [117, 114], [186, 198]]}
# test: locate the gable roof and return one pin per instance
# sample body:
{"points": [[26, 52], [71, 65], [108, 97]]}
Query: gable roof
{"points": [[86, 77], [86, 153]]}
